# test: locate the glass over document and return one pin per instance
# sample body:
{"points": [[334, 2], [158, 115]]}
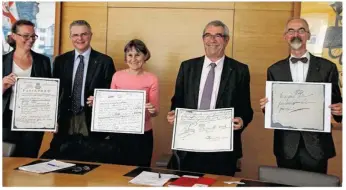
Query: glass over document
{"points": [[118, 111], [203, 130], [298, 106], [35, 104]]}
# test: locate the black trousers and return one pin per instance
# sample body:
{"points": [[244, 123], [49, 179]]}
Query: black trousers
{"points": [[28, 144], [135, 149], [303, 161], [220, 163]]}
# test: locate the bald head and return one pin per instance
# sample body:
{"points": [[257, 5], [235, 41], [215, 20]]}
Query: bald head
{"points": [[297, 20]]}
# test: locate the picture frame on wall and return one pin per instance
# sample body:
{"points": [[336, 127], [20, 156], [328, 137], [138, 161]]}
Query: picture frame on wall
{"points": [[47, 24]]}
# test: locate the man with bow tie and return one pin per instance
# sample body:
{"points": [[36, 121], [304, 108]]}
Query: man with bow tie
{"points": [[303, 150]]}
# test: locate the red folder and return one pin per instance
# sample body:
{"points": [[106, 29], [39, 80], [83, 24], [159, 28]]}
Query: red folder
{"points": [[190, 181]]}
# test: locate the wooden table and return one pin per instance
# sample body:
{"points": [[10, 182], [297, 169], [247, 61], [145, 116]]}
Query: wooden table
{"points": [[104, 175]]}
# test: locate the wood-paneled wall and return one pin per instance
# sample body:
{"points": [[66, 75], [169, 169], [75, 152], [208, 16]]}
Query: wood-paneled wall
{"points": [[172, 32]]}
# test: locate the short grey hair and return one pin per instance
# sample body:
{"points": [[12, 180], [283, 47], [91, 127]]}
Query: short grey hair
{"points": [[297, 18], [218, 23], [80, 23]]}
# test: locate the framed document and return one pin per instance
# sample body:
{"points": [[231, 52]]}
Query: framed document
{"points": [[298, 106], [203, 130], [118, 111], [36, 103]]}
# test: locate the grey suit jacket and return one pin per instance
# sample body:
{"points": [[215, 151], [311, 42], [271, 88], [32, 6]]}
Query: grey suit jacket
{"points": [[319, 145]]}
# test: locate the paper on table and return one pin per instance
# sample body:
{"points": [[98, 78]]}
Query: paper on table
{"points": [[152, 179], [45, 167]]}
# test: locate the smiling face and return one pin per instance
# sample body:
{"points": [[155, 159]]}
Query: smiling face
{"points": [[297, 34], [81, 37], [24, 37], [134, 59], [215, 42]]}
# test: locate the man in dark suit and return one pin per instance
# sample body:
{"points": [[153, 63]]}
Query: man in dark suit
{"points": [[228, 87], [80, 71], [303, 150]]}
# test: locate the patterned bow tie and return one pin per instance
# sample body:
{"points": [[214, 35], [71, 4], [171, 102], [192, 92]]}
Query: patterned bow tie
{"points": [[295, 60]]}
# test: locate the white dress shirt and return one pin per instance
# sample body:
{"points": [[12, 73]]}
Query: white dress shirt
{"points": [[299, 70], [217, 79], [86, 56]]}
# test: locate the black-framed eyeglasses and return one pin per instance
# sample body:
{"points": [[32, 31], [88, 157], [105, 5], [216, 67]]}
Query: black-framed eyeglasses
{"points": [[215, 36], [27, 36], [299, 31]]}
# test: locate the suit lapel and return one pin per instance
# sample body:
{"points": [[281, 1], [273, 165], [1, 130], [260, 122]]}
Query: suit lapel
{"points": [[35, 65], [92, 64], [286, 73], [226, 72], [8, 64], [197, 72], [313, 72], [68, 71]]}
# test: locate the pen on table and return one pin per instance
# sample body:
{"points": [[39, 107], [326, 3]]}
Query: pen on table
{"points": [[159, 175], [52, 165]]}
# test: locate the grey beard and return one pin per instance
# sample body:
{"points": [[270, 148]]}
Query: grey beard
{"points": [[296, 43]]}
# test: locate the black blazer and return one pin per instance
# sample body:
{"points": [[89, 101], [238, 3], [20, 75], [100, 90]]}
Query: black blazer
{"points": [[99, 75], [319, 145], [40, 68], [234, 91]]}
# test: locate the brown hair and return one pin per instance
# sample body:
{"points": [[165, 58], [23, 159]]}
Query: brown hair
{"points": [[139, 47], [14, 30]]}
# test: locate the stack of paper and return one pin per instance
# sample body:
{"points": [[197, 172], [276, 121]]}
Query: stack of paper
{"points": [[152, 179], [45, 167]]}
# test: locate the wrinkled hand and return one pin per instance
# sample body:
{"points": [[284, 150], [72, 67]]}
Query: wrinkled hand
{"points": [[90, 101], [151, 108], [238, 123], [8, 81], [170, 117], [263, 102], [336, 109]]}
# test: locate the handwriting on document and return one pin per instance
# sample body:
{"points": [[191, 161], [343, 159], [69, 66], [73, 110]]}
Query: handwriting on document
{"points": [[295, 101], [203, 130], [119, 111]]}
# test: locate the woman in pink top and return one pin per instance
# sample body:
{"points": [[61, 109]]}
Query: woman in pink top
{"points": [[136, 149]]}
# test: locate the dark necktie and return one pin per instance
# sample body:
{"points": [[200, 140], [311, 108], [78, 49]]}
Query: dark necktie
{"points": [[302, 59], [77, 86], [208, 88]]}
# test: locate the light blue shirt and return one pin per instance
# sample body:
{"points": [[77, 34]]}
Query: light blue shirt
{"points": [[86, 56]]}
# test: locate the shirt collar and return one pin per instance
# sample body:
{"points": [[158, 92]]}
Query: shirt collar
{"points": [[219, 62], [85, 54], [307, 55]]}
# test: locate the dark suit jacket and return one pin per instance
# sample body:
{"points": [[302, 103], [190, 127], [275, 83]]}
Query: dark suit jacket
{"points": [[234, 91], [40, 68], [319, 145], [99, 75]]}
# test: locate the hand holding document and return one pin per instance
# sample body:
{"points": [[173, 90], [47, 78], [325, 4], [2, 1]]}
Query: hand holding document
{"points": [[152, 179], [45, 167]]}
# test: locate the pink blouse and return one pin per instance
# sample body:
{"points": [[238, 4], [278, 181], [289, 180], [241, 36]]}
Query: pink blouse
{"points": [[146, 81]]}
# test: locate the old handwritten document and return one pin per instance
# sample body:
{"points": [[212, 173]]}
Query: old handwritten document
{"points": [[203, 130], [118, 111], [35, 104], [298, 106]]}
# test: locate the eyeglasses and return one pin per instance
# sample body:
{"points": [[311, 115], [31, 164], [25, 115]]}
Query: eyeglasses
{"points": [[210, 36], [82, 35], [299, 31], [27, 36]]}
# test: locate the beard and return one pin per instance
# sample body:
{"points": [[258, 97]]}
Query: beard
{"points": [[296, 43]]}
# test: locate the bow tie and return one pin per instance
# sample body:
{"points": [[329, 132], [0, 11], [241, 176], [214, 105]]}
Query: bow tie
{"points": [[295, 60]]}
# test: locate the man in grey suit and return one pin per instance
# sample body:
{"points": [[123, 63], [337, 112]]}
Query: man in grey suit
{"points": [[303, 150]]}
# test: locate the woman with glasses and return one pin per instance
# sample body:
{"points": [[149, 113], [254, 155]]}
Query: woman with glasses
{"points": [[21, 62], [136, 149]]}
